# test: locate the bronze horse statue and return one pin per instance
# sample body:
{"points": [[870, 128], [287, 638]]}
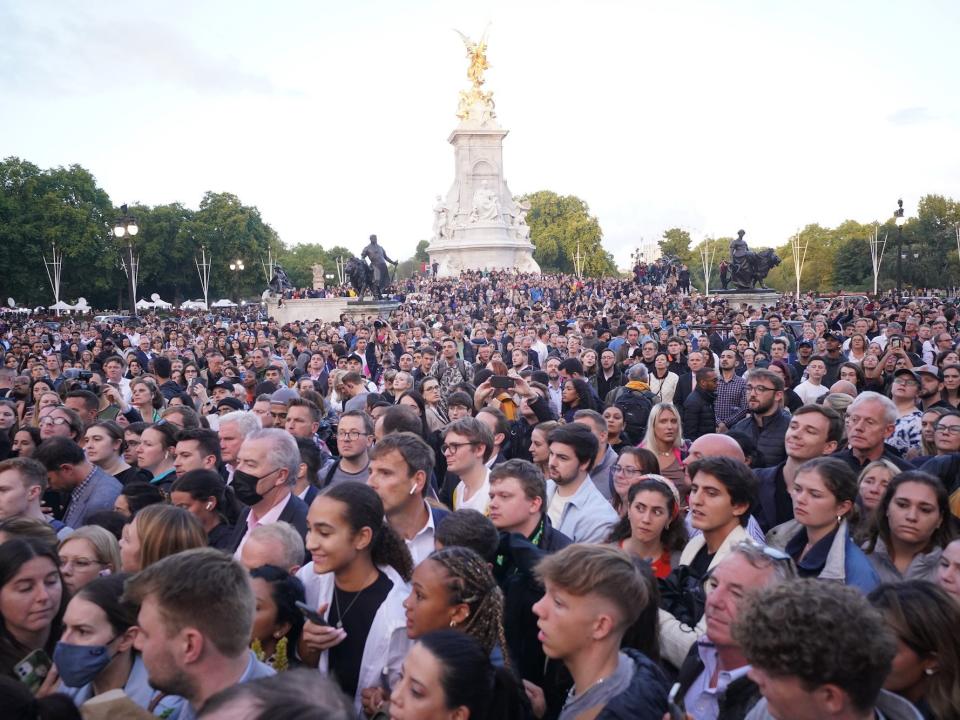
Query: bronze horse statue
{"points": [[754, 269]]}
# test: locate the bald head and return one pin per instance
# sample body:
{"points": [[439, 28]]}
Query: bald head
{"points": [[716, 445], [844, 387]]}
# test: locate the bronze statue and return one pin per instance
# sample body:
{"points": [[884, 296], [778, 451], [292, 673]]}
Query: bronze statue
{"points": [[379, 277], [747, 268]]}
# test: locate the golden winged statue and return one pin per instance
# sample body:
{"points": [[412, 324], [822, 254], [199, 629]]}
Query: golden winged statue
{"points": [[475, 103], [477, 53]]}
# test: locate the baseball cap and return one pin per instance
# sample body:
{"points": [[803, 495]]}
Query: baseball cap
{"points": [[907, 371], [928, 370], [230, 402], [283, 396], [804, 343], [224, 383]]}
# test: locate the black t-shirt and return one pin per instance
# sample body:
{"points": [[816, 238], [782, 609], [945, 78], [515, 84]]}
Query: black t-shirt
{"points": [[358, 610], [701, 563]]}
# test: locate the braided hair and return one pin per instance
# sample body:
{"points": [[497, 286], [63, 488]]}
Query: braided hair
{"points": [[471, 582]]}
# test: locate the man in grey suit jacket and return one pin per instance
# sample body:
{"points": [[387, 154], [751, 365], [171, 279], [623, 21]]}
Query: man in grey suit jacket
{"points": [[90, 488]]}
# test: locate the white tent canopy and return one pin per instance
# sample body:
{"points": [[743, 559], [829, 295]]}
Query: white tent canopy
{"points": [[223, 302], [144, 304], [82, 306], [193, 305], [60, 305], [158, 303]]}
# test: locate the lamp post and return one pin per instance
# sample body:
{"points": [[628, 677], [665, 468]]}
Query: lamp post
{"points": [[127, 227], [900, 220], [236, 267]]}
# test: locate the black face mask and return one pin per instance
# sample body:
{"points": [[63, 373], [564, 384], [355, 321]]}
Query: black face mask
{"points": [[245, 487]]}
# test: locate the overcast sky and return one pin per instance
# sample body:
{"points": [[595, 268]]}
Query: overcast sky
{"points": [[332, 118]]}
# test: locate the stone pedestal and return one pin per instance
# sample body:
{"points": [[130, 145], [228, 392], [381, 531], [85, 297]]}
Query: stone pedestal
{"points": [[736, 298], [327, 309], [479, 225]]}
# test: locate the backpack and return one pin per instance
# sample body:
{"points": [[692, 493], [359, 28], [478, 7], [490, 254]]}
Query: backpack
{"points": [[635, 406]]}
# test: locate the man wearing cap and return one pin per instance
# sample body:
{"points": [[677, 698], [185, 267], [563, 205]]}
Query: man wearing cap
{"points": [[931, 388], [833, 358], [904, 392], [804, 353]]}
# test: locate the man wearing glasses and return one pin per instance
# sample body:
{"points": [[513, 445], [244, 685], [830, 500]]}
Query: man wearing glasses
{"points": [[354, 438], [768, 420], [907, 429], [467, 445], [870, 420]]}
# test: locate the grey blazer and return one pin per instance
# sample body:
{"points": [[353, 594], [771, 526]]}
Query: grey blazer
{"points": [[99, 494]]}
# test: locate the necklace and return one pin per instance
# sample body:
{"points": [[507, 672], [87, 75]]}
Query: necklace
{"points": [[336, 604]]}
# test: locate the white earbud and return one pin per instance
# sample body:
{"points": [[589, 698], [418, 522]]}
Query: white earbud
{"points": [[413, 489], [209, 506]]}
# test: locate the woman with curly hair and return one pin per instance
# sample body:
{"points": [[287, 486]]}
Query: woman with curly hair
{"points": [[455, 588]]}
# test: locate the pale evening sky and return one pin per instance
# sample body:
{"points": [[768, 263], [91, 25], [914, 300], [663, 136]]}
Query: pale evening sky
{"points": [[332, 118]]}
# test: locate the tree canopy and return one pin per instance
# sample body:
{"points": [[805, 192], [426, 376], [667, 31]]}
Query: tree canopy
{"points": [[557, 223]]}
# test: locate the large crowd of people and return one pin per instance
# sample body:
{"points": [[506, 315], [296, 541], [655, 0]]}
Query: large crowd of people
{"points": [[512, 497]]}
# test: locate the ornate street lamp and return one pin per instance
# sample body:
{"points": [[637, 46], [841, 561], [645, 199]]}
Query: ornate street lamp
{"points": [[900, 221], [236, 267], [127, 227]]}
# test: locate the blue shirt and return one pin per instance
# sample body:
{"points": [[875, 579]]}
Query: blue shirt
{"points": [[137, 688], [587, 516], [255, 670]]}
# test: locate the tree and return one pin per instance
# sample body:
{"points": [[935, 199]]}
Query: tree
{"points": [[557, 223], [421, 255], [676, 242]]}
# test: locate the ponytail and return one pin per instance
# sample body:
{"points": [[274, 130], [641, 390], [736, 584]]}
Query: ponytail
{"points": [[388, 548]]}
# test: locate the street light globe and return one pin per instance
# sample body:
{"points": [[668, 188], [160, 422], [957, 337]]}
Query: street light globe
{"points": [[119, 231], [132, 229], [240, 265], [900, 220], [233, 266]]}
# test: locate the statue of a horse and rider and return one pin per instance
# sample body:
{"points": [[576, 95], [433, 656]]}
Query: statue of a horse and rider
{"points": [[372, 276], [747, 268], [279, 282]]}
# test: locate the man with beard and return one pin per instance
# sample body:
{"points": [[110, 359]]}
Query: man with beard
{"points": [[731, 404], [196, 615], [768, 420], [608, 377]]}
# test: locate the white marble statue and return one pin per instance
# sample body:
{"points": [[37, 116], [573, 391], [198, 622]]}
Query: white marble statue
{"points": [[486, 205]]}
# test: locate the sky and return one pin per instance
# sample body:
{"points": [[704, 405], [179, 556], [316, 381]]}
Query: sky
{"points": [[333, 118]]}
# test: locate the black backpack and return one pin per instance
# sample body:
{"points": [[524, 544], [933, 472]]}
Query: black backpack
{"points": [[635, 406]]}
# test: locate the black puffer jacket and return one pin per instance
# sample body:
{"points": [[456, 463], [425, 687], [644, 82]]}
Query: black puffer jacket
{"points": [[699, 417], [767, 436], [645, 697]]}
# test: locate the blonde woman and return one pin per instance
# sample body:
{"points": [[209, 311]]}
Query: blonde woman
{"points": [[664, 439], [86, 554]]}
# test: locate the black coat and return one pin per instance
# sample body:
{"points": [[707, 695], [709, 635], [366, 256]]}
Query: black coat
{"points": [[294, 513], [734, 703], [645, 697], [685, 386], [699, 416], [767, 436]]}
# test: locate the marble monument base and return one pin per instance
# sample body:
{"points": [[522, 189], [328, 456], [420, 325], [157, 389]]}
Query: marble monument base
{"points": [[327, 309], [735, 298], [482, 247]]}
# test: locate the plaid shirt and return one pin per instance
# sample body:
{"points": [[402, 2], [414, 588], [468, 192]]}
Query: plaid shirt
{"points": [[731, 403]]}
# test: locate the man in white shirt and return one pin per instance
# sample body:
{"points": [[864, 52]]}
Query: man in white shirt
{"points": [[574, 505], [812, 389], [400, 468], [467, 445]]}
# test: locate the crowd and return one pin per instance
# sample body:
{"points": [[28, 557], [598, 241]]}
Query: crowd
{"points": [[512, 497]]}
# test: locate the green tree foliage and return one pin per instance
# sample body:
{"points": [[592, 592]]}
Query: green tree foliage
{"points": [[720, 249], [421, 255], [557, 223], [676, 242], [299, 260]]}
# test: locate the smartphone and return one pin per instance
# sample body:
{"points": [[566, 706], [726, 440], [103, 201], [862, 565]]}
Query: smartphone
{"points": [[311, 614], [33, 669], [502, 382], [110, 413], [896, 342], [675, 712]]}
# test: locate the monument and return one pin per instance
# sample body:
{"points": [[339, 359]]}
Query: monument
{"points": [[747, 270], [318, 278], [479, 225]]}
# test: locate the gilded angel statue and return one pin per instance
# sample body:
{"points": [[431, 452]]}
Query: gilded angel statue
{"points": [[477, 53]]}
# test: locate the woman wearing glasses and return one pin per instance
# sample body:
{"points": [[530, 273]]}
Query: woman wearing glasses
{"points": [[632, 464], [652, 528], [911, 527], [88, 553]]}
